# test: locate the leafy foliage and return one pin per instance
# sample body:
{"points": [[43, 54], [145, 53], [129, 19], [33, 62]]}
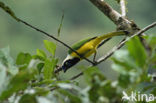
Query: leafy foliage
{"points": [[35, 82], [135, 45], [50, 46], [31, 78]]}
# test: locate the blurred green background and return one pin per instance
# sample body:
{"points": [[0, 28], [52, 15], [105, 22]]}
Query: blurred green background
{"points": [[82, 19]]}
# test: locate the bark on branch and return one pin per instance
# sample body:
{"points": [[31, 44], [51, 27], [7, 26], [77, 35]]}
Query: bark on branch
{"points": [[107, 10], [121, 22]]}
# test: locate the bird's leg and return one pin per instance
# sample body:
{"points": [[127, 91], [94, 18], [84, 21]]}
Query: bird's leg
{"points": [[94, 57]]}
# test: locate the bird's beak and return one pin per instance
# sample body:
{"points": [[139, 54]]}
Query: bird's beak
{"points": [[64, 68], [69, 63]]}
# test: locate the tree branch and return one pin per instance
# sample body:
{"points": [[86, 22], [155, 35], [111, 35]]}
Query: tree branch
{"points": [[124, 41], [12, 14], [76, 76], [123, 8], [43, 32], [121, 22], [111, 13], [115, 48], [107, 10]]}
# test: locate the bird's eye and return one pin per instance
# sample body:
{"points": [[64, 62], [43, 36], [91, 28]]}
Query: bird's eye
{"points": [[66, 63]]}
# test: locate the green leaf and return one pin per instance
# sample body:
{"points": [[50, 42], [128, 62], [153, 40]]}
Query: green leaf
{"points": [[43, 82], [8, 10], [59, 29], [146, 87], [23, 58], [93, 93], [41, 91], [18, 83], [125, 65], [3, 76], [103, 89], [118, 1], [28, 98], [68, 86], [72, 98], [153, 57], [40, 66], [153, 91], [123, 62], [90, 72], [50, 46], [107, 89], [49, 67], [137, 51], [41, 54], [151, 40], [7, 61], [124, 80]]}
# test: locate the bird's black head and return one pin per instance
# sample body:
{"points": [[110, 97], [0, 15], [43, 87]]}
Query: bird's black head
{"points": [[69, 63]]}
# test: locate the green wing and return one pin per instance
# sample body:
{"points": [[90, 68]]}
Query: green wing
{"points": [[79, 44]]}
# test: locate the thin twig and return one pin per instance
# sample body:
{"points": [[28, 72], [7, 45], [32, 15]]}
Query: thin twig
{"points": [[76, 76], [43, 32], [11, 13], [54, 88], [123, 8], [115, 48]]}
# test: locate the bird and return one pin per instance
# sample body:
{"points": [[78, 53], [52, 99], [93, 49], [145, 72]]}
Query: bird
{"points": [[86, 48]]}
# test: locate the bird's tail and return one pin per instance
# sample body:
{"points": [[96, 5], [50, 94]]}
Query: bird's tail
{"points": [[109, 35]]}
